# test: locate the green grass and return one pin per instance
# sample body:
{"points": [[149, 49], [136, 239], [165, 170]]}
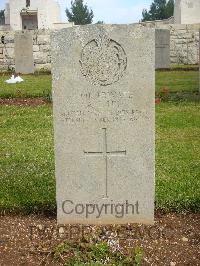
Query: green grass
{"points": [[27, 181], [178, 156], [27, 163], [95, 254], [40, 85], [33, 86], [182, 67], [177, 81]]}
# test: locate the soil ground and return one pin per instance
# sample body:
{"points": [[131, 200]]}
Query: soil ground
{"points": [[23, 102], [30, 240]]}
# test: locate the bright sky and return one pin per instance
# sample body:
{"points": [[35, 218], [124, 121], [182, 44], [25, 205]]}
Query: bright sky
{"points": [[110, 11]]}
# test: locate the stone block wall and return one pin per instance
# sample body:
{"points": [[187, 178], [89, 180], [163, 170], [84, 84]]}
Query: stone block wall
{"points": [[6, 50], [184, 46], [184, 42], [41, 50]]}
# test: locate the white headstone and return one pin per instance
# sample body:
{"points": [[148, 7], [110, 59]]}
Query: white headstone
{"points": [[24, 62], [162, 49], [103, 95]]}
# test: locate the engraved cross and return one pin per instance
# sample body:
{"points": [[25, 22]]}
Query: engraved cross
{"points": [[105, 154]]}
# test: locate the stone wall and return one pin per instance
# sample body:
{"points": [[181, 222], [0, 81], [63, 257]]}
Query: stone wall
{"points": [[184, 42], [184, 46], [41, 50]]}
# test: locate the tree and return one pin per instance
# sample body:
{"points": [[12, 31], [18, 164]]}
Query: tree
{"points": [[79, 13], [159, 10], [100, 22], [2, 17], [170, 8]]}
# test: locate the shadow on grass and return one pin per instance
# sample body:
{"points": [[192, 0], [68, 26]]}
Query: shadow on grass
{"points": [[166, 96], [42, 210]]}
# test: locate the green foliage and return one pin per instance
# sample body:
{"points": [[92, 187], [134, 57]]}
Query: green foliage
{"points": [[138, 255], [2, 17], [169, 11], [79, 13], [100, 22], [99, 251], [159, 10], [95, 254], [47, 95]]}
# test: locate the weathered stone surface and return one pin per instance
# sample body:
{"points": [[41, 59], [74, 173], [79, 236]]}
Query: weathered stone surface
{"points": [[9, 52], [9, 38], [187, 11], [40, 58], [36, 48], [43, 67], [103, 94], [181, 39], [43, 39], [184, 45], [162, 49], [44, 48], [24, 53]]}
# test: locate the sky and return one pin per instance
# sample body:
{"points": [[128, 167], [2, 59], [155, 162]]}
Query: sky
{"points": [[110, 11]]}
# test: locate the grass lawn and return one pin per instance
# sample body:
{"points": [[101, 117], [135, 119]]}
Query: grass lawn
{"points": [[34, 86], [27, 179], [40, 85], [27, 162], [177, 81]]}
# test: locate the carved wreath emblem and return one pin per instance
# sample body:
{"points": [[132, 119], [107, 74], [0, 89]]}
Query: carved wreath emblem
{"points": [[103, 61]]}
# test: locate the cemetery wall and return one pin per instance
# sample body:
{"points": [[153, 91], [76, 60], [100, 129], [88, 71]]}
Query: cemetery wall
{"points": [[184, 46], [184, 42], [41, 50]]}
